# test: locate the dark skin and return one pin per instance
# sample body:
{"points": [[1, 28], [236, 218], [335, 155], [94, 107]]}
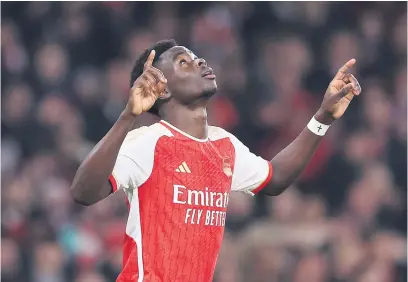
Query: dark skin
{"points": [[184, 83]]}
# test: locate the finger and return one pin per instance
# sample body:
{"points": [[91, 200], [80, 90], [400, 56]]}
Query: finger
{"points": [[149, 82], [150, 78], [140, 82], [345, 90], [344, 69], [357, 87], [149, 61], [349, 96], [160, 87], [350, 78], [145, 84], [153, 93], [158, 74]]}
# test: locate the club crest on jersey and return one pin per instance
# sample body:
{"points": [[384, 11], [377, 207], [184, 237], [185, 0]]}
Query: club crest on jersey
{"points": [[226, 167]]}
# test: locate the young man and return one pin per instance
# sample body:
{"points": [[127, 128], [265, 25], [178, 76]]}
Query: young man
{"points": [[177, 174]]}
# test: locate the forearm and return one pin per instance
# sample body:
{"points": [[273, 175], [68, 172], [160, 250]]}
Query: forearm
{"points": [[90, 183], [291, 161]]}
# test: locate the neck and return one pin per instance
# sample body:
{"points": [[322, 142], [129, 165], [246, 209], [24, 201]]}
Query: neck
{"points": [[191, 121]]}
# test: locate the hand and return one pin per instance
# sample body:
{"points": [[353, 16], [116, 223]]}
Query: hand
{"points": [[339, 94], [147, 88]]}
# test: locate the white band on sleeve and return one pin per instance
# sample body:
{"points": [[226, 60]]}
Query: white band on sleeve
{"points": [[317, 127]]}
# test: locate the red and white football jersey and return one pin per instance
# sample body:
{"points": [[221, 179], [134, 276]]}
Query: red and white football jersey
{"points": [[178, 187]]}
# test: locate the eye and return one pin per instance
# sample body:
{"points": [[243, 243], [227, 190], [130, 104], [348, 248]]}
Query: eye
{"points": [[182, 62]]}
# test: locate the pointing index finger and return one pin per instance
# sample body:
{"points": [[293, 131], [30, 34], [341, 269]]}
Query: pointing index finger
{"points": [[150, 59], [343, 70]]}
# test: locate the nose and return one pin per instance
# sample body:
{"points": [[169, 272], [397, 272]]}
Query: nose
{"points": [[200, 62]]}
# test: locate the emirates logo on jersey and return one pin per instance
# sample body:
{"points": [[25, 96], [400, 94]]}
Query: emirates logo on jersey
{"points": [[184, 196]]}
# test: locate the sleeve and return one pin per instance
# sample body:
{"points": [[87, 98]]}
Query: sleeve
{"points": [[251, 173], [135, 160], [124, 174]]}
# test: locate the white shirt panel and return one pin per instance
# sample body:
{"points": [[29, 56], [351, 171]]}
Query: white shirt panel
{"points": [[135, 160], [250, 170]]}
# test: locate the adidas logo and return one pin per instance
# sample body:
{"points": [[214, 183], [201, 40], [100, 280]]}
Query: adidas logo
{"points": [[183, 168]]}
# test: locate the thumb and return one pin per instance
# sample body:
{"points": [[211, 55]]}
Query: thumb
{"points": [[345, 90]]}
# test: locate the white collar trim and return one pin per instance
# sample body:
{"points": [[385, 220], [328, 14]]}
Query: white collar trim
{"points": [[183, 133]]}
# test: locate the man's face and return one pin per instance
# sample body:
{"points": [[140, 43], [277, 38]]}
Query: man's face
{"points": [[188, 77]]}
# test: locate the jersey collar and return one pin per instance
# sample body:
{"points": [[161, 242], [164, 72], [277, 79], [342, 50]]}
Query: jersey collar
{"points": [[173, 129]]}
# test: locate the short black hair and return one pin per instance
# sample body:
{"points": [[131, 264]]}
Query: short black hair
{"points": [[159, 47]]}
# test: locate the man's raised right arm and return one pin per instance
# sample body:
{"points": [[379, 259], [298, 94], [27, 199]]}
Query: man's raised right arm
{"points": [[90, 184]]}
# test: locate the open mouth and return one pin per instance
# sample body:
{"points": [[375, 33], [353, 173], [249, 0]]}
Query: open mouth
{"points": [[209, 74]]}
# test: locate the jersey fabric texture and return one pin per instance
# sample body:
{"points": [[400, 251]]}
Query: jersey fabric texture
{"points": [[177, 187]]}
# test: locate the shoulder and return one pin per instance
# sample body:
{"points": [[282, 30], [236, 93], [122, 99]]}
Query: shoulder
{"points": [[146, 132], [217, 133], [143, 138]]}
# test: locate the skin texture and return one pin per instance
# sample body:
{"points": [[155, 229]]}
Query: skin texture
{"points": [[178, 80], [291, 161]]}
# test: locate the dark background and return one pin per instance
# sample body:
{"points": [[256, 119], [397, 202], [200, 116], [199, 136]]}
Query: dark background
{"points": [[65, 71]]}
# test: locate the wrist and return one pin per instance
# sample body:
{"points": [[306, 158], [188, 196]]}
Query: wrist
{"points": [[317, 127], [324, 117], [127, 116]]}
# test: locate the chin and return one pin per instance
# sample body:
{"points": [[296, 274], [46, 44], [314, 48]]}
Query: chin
{"points": [[210, 89]]}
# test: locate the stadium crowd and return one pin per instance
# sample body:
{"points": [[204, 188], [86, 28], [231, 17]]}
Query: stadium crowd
{"points": [[65, 72]]}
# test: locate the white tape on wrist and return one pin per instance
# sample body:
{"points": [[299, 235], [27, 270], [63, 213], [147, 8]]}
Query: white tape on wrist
{"points": [[317, 127]]}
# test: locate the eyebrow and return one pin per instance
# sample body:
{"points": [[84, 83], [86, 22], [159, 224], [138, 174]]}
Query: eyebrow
{"points": [[180, 52]]}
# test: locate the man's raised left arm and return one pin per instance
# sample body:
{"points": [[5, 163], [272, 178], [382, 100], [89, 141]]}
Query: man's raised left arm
{"points": [[291, 161]]}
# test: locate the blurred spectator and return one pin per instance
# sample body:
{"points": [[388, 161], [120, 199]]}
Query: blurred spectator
{"points": [[65, 79]]}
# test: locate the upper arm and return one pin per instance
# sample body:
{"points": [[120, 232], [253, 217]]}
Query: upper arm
{"points": [[251, 172], [134, 163], [126, 173]]}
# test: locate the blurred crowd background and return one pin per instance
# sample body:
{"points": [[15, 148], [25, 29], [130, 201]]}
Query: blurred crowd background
{"points": [[64, 80]]}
